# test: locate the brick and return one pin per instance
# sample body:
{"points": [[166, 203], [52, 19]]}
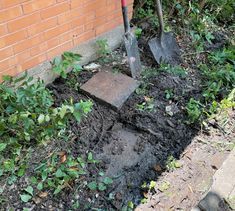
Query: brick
{"points": [[23, 22], [114, 15], [106, 27], [7, 63], [57, 31], [5, 53], [32, 62], [71, 34], [38, 49], [55, 10], [84, 37], [89, 26], [77, 3], [77, 22], [9, 14], [100, 21], [37, 5], [28, 43], [3, 29], [22, 57], [52, 43], [12, 38], [9, 3], [70, 15], [59, 50], [42, 26]]}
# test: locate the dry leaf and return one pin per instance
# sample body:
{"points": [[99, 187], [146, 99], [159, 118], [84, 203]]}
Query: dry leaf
{"points": [[43, 194], [147, 99], [63, 156], [157, 168], [145, 195]]}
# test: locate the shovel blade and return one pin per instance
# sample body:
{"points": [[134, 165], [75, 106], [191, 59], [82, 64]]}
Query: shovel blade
{"points": [[165, 49], [132, 50]]}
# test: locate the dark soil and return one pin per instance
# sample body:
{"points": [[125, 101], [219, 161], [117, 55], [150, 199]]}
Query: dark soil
{"points": [[130, 144]]}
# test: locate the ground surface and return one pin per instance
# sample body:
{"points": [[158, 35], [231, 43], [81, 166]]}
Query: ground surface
{"points": [[134, 145]]}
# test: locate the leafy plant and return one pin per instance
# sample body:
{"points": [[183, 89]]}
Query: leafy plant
{"points": [[175, 70], [169, 94], [101, 185], [138, 32], [67, 61], [194, 110], [29, 117], [172, 163], [103, 49], [147, 105], [59, 172]]}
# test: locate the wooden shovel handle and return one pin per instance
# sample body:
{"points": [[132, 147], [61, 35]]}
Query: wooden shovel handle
{"points": [[160, 15]]}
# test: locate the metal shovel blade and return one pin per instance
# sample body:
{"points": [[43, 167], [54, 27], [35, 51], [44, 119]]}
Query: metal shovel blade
{"points": [[133, 54], [165, 49]]}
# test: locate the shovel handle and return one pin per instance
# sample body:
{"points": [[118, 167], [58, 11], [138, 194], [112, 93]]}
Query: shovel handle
{"points": [[160, 15], [125, 16]]}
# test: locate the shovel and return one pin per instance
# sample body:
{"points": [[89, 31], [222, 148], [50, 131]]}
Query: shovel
{"points": [[131, 44], [164, 47]]}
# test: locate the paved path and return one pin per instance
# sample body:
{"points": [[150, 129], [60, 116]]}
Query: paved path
{"points": [[223, 187]]}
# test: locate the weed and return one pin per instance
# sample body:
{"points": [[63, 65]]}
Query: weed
{"points": [[103, 50], [28, 117], [169, 94], [138, 32], [194, 110], [67, 61], [58, 172], [175, 70], [147, 105], [164, 186], [172, 163]]}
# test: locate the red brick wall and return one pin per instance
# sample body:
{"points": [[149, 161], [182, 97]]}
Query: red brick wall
{"points": [[33, 31]]}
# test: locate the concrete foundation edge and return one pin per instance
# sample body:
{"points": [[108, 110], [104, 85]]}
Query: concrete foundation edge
{"points": [[87, 50]]}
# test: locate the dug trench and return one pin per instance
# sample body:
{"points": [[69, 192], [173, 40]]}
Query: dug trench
{"points": [[130, 142]]}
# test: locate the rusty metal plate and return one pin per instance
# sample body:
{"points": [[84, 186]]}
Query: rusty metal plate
{"points": [[111, 88]]}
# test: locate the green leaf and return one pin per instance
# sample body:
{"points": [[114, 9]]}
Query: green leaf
{"points": [[107, 181], [101, 186], [58, 189], [63, 111], [90, 156], [12, 179], [1, 190], [41, 118], [40, 186], [2, 146], [7, 78], [1, 172], [152, 185], [130, 204], [25, 197], [92, 185], [21, 172], [56, 61], [77, 68], [101, 174], [164, 186], [34, 180], [29, 190], [59, 173]]}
